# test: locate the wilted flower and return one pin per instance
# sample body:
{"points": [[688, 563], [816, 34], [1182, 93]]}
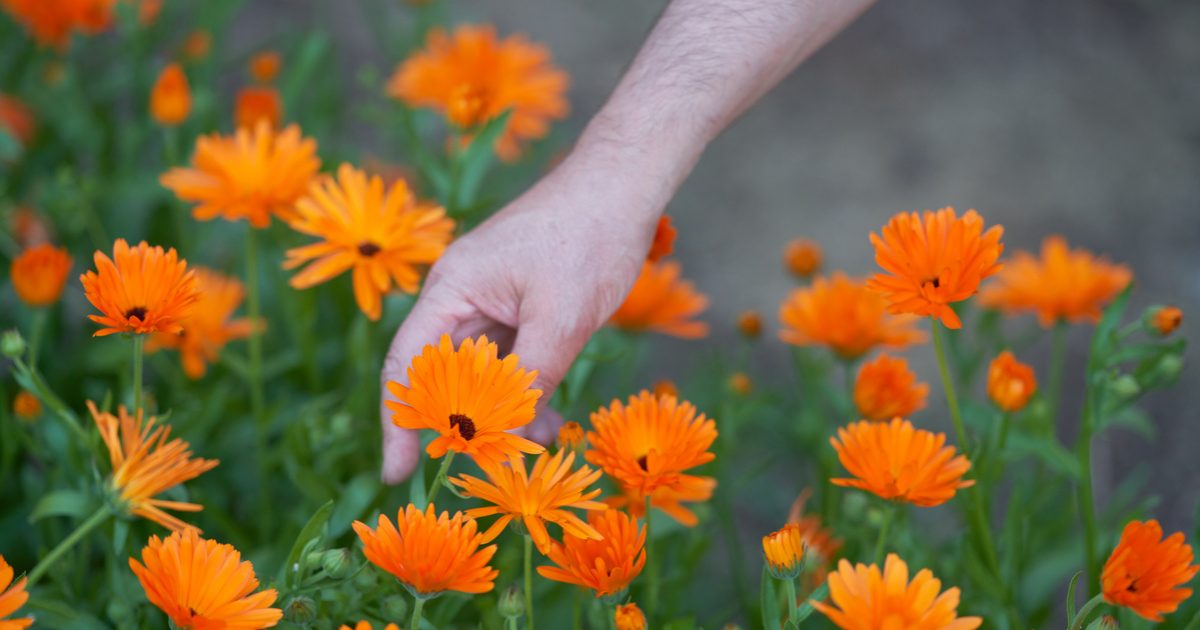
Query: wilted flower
{"points": [[662, 302], [897, 462], [1010, 383], [1146, 573], [40, 273], [860, 597]]}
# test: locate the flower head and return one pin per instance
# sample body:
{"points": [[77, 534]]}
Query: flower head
{"points": [[802, 257], [16, 118], [140, 290], [666, 387], [12, 597], [430, 553], [887, 388], [664, 239], [934, 260], [571, 437], [257, 103], [897, 462], [741, 384], [379, 233], [171, 569], [51, 22], [750, 324], [841, 314], [1164, 320], [264, 66], [1010, 383], [662, 302], [210, 324], [1146, 573], [784, 551], [860, 597], [471, 397], [171, 98], [606, 566], [26, 406], [197, 45], [40, 273], [629, 617]]}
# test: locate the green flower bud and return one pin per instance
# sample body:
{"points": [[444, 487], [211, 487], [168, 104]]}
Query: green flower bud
{"points": [[12, 344], [300, 610], [512, 603], [336, 563], [1124, 387]]}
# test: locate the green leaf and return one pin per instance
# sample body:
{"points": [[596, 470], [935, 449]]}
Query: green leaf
{"points": [[1104, 339], [313, 529], [771, 613], [63, 503], [1130, 418], [355, 498], [1049, 451], [1071, 598], [304, 64], [806, 608], [474, 161]]}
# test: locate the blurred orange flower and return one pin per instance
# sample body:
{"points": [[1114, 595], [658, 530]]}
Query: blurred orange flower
{"points": [[16, 118], [255, 104], [605, 566], [842, 314], [666, 387], [662, 302], [197, 45], [1010, 383], [802, 257], [784, 551], [887, 388], [471, 76], [860, 596], [381, 233], [264, 66], [171, 98], [819, 542], [750, 324], [740, 383], [26, 406], [571, 437], [140, 290], [210, 325], [664, 240], [12, 597], [51, 22], [40, 273], [1147, 574], [1164, 320], [897, 462], [629, 617]]}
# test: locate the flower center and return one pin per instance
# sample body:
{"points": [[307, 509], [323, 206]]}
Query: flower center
{"points": [[138, 312], [465, 425], [934, 281], [643, 463], [368, 249]]}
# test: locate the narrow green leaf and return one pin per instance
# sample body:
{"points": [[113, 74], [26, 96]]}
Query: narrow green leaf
{"points": [[1071, 598], [313, 529], [477, 157], [806, 608], [63, 503], [1104, 339]]}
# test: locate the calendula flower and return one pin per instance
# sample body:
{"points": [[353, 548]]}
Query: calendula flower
{"points": [[900, 463], [934, 260], [802, 258], [197, 45], [740, 383], [40, 273], [1010, 383], [662, 302], [52, 22], [629, 617], [202, 584], [1164, 320], [379, 233], [887, 388], [171, 98], [543, 495], [750, 324], [12, 597], [1063, 285], [845, 316], [16, 118], [264, 66], [648, 445], [820, 545], [1146, 573], [430, 553], [471, 77], [252, 175], [664, 240], [784, 551], [26, 406], [571, 437], [861, 597], [605, 566], [255, 104], [471, 397], [146, 463], [141, 289], [210, 325]]}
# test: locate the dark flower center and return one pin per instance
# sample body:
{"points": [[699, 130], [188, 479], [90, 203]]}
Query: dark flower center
{"points": [[368, 249], [643, 463], [137, 311], [465, 425], [935, 282]]}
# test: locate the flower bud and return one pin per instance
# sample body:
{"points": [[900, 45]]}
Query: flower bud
{"points": [[740, 383], [1124, 387], [300, 610], [802, 258], [1161, 321], [336, 563], [512, 603], [12, 344], [1165, 371], [1107, 622], [750, 324]]}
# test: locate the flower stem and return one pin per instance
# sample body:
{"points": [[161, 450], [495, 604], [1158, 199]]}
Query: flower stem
{"points": [[651, 568], [789, 590], [440, 479], [139, 345], [528, 581], [889, 514], [38, 331], [1058, 356], [948, 386], [418, 604], [1087, 501], [1086, 611], [257, 403], [92, 523]]}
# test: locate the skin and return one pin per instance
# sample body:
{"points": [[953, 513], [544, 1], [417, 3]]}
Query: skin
{"points": [[545, 272]]}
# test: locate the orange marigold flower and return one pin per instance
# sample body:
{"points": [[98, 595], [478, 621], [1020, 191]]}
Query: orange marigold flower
{"points": [[255, 104], [471, 76], [171, 98], [210, 325], [802, 257], [898, 462], [784, 551], [26, 406], [535, 497], [471, 397], [430, 553], [629, 617], [662, 302], [140, 290], [841, 314], [666, 387], [1010, 383], [1146, 573], [887, 388], [740, 383], [251, 175], [51, 22], [664, 240], [381, 233], [171, 567], [750, 324], [606, 566], [571, 437], [1164, 320], [197, 45], [647, 445], [1064, 284], [862, 597], [934, 260], [12, 597], [40, 273], [16, 119], [264, 66]]}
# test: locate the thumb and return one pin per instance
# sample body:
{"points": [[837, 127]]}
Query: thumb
{"points": [[550, 348]]}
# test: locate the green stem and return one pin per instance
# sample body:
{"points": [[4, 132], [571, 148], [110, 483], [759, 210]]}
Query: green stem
{"points": [[789, 590], [1194, 624], [889, 515], [651, 569], [1086, 612], [1001, 442], [440, 479], [1058, 357], [92, 523], [1087, 502], [38, 331], [257, 402], [418, 605], [576, 610], [528, 581], [139, 345], [948, 386]]}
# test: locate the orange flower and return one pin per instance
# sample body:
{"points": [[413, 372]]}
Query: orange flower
{"points": [[26, 406], [740, 383], [210, 325], [536, 498], [933, 261], [842, 314], [646, 447], [51, 22], [471, 397], [1164, 320], [16, 119], [629, 617], [1010, 382], [862, 597], [887, 388], [666, 387], [40, 273], [146, 463], [366, 625], [802, 257], [1147, 574], [250, 175], [11, 598], [197, 45], [264, 66], [140, 290], [430, 554], [819, 542], [897, 462], [173, 569], [255, 104], [750, 324], [607, 565], [470, 76], [571, 437], [662, 302], [171, 98], [1065, 284], [383, 234], [664, 240], [783, 550]]}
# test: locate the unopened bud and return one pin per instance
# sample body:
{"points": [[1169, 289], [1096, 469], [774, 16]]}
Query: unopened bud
{"points": [[336, 563], [1107, 622], [1161, 321], [12, 344], [512, 603], [1124, 387], [300, 610], [1167, 370], [750, 324]]}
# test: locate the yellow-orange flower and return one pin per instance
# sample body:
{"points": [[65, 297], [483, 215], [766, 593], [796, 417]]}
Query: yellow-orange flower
{"points": [[264, 66], [471, 76], [171, 98], [172, 571], [40, 273], [26, 406], [571, 437], [258, 103], [784, 551], [197, 45], [251, 175], [934, 260], [1010, 383], [605, 566], [664, 239], [1164, 320], [210, 325], [146, 463], [662, 302], [16, 118], [862, 597], [802, 257], [141, 289], [887, 388], [845, 316], [1146, 573], [12, 597], [471, 397], [750, 324], [1064, 284], [629, 617], [381, 233], [536, 497], [430, 553], [647, 445], [51, 22], [900, 463]]}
